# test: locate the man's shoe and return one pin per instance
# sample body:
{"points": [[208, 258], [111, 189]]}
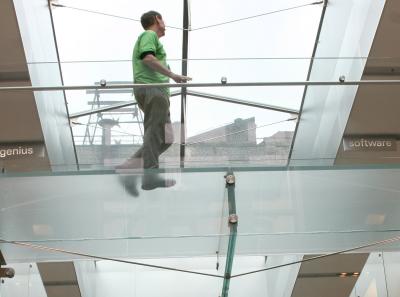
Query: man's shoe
{"points": [[153, 181], [129, 183], [133, 163]]}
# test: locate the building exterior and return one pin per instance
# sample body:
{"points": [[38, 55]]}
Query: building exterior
{"points": [[234, 144]]}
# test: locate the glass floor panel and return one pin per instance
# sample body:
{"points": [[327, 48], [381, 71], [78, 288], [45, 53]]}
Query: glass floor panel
{"points": [[301, 210]]}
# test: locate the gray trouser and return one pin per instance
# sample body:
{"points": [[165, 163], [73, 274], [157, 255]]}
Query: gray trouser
{"points": [[158, 134]]}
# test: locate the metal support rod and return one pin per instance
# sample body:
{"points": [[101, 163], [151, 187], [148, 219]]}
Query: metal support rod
{"points": [[233, 220], [241, 102], [110, 107], [185, 49], [68, 252], [191, 93], [103, 109], [210, 85]]}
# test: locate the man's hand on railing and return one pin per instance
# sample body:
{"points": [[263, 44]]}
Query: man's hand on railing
{"points": [[180, 78]]}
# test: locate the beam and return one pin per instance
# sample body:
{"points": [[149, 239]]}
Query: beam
{"points": [[102, 109], [233, 219], [59, 279], [211, 85], [242, 102], [185, 49], [108, 108]]}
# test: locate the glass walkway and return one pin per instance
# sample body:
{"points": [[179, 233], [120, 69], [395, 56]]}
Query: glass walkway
{"points": [[285, 153]]}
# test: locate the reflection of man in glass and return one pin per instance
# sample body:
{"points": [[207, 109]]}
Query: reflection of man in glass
{"points": [[150, 66]]}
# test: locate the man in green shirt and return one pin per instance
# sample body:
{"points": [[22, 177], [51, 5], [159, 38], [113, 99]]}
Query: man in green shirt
{"points": [[150, 66]]}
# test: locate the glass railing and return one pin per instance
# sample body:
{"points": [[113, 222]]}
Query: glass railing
{"points": [[233, 70], [105, 128], [216, 133]]}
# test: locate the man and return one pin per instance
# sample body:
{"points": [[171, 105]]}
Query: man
{"points": [[150, 66]]}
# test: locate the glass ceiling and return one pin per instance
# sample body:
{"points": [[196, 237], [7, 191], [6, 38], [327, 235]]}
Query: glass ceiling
{"points": [[262, 41], [260, 48]]}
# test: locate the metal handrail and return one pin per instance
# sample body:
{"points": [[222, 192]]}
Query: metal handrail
{"points": [[202, 85]]}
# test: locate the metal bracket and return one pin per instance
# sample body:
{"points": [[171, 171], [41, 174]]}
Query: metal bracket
{"points": [[7, 272], [233, 219], [230, 179], [232, 222]]}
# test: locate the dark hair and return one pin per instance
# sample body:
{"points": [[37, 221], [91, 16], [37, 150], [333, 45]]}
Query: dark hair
{"points": [[149, 18]]}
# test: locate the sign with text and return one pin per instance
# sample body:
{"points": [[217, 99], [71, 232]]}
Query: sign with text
{"points": [[369, 143], [12, 151]]}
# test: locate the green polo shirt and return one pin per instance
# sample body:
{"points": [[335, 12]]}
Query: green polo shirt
{"points": [[148, 41]]}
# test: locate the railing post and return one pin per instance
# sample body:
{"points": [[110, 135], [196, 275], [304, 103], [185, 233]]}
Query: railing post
{"points": [[233, 222]]}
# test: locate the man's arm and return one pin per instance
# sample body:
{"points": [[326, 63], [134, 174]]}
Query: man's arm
{"points": [[152, 62]]}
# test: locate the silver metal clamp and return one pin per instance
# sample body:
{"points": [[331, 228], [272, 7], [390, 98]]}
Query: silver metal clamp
{"points": [[7, 272], [233, 219], [230, 179]]}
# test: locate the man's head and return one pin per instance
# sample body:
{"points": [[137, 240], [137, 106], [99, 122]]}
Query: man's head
{"points": [[152, 20]]}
